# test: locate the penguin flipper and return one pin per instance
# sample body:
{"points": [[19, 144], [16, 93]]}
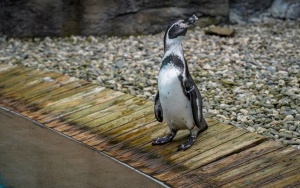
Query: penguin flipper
{"points": [[196, 105], [158, 109]]}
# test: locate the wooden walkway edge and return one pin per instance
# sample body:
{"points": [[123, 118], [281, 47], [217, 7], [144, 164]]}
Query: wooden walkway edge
{"points": [[123, 126]]}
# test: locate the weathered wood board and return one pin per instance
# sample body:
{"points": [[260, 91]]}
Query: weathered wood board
{"points": [[123, 127]]}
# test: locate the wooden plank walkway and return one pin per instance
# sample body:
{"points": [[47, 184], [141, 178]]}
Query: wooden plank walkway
{"points": [[123, 127]]}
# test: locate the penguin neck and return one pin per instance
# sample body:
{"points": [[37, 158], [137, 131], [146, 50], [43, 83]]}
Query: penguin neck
{"points": [[175, 48]]}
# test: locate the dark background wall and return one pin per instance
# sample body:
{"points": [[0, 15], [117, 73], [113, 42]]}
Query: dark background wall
{"points": [[26, 18]]}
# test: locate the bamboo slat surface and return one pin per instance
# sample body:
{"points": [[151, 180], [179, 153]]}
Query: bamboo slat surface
{"points": [[123, 127]]}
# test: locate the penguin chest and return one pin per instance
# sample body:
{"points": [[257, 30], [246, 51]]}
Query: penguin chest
{"points": [[176, 106]]}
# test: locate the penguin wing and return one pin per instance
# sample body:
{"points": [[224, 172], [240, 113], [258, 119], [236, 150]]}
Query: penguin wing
{"points": [[158, 109], [196, 105], [192, 93], [196, 102]]}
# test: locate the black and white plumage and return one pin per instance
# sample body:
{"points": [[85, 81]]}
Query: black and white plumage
{"points": [[178, 100]]}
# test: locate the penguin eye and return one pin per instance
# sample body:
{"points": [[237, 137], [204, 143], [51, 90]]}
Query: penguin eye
{"points": [[177, 25]]}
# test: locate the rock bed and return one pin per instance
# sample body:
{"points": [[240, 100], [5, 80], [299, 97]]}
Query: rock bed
{"points": [[250, 80]]}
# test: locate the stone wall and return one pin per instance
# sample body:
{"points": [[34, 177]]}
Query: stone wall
{"points": [[28, 18], [287, 9], [246, 11], [98, 17], [243, 11]]}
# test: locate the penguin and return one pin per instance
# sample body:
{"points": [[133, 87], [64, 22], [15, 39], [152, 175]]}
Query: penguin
{"points": [[178, 100]]}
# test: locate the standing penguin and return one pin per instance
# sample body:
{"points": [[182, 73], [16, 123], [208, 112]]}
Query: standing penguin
{"points": [[178, 99]]}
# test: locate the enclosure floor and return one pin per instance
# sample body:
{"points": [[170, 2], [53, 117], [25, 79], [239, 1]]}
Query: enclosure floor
{"points": [[123, 126], [33, 156]]}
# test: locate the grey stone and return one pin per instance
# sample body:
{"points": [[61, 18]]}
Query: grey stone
{"points": [[298, 117], [291, 142], [285, 135], [251, 129], [221, 31], [273, 131], [292, 128], [119, 63], [296, 134]]}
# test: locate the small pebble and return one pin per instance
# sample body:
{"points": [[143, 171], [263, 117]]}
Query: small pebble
{"points": [[48, 79]]}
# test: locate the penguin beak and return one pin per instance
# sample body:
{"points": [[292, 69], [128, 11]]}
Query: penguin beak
{"points": [[189, 21]]}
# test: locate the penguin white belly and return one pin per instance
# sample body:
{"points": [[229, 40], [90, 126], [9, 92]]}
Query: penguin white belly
{"points": [[176, 107]]}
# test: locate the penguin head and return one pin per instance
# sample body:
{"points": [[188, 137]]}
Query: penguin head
{"points": [[177, 30]]}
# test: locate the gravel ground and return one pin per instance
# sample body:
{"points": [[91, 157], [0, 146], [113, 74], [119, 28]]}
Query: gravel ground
{"points": [[250, 80]]}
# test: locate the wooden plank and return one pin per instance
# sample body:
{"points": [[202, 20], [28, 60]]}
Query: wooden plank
{"points": [[38, 104], [77, 103], [97, 127], [136, 138], [5, 68], [141, 159], [90, 114], [103, 100], [115, 144], [225, 149], [71, 130], [215, 132], [162, 129], [134, 126], [118, 110], [68, 120], [102, 128], [74, 97], [202, 175], [72, 100], [38, 92], [253, 166], [291, 179], [40, 111], [217, 152], [285, 164], [169, 150], [131, 131], [65, 86], [39, 88], [139, 126], [11, 76], [89, 96], [26, 81], [147, 148], [69, 89], [119, 106], [130, 116], [14, 92]]}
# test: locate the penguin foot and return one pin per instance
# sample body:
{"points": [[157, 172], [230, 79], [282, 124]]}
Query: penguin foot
{"points": [[187, 144], [161, 141], [164, 140]]}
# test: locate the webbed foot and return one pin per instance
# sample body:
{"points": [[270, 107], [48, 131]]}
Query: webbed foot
{"points": [[166, 139], [187, 144]]}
